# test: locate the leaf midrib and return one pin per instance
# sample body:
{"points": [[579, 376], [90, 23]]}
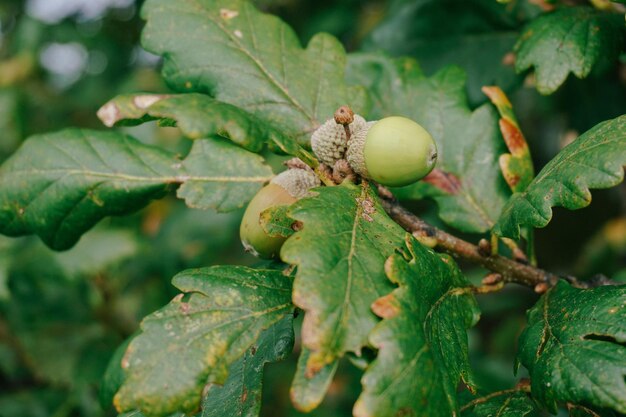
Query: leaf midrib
{"points": [[340, 324], [256, 61], [136, 178]]}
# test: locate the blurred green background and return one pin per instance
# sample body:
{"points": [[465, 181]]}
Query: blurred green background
{"points": [[63, 314]]}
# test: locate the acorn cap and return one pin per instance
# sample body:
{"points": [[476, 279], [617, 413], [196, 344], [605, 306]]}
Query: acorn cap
{"points": [[354, 153], [329, 142], [297, 181]]}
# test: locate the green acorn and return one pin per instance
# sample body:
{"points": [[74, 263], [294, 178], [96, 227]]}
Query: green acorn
{"points": [[393, 151], [284, 189], [329, 142]]}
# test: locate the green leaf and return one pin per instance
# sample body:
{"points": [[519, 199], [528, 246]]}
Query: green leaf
{"points": [[573, 347], [240, 396], [228, 49], [466, 183], [308, 391], [422, 340], [508, 403], [193, 340], [221, 176], [59, 185], [340, 252], [570, 39], [594, 160], [199, 117], [276, 221], [473, 34]]}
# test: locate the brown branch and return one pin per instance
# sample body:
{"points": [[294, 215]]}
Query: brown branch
{"points": [[508, 269]]}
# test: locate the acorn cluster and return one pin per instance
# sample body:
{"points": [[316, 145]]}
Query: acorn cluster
{"points": [[394, 151]]}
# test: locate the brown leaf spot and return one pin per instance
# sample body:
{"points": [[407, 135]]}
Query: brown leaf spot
{"points": [[386, 307], [312, 369], [367, 207], [511, 179], [513, 137], [445, 181], [227, 14], [244, 395]]}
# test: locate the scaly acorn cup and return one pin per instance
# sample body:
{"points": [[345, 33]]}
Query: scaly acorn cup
{"points": [[284, 189], [329, 142], [393, 151]]}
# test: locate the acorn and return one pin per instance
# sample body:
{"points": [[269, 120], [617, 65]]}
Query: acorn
{"points": [[329, 142], [393, 151], [284, 189]]}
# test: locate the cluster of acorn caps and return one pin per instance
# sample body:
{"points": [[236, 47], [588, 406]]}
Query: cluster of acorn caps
{"points": [[394, 151]]}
